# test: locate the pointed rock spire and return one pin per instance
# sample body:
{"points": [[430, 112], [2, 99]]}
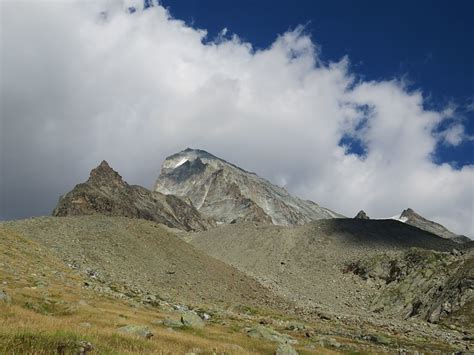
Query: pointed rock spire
{"points": [[103, 174], [409, 213], [361, 215]]}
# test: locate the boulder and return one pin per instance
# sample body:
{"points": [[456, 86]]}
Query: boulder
{"points": [[4, 297], [192, 320], [270, 334], [84, 347], [296, 327], [137, 330], [172, 323], [286, 349]]}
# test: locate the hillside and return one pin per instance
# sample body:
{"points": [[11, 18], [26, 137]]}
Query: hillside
{"points": [[73, 282], [313, 265], [48, 307], [142, 258], [230, 194]]}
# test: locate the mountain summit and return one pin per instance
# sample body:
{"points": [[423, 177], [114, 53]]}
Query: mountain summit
{"points": [[230, 194], [105, 192], [409, 216]]}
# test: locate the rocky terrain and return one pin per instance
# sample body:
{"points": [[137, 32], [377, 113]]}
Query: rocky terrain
{"points": [[423, 283], [105, 192], [141, 258], [126, 285], [229, 194], [299, 263]]}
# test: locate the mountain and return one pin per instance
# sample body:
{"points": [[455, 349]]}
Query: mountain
{"points": [[411, 217], [230, 194], [361, 215], [105, 192]]}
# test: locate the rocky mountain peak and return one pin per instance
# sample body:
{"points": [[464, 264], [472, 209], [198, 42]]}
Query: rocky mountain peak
{"points": [[409, 213], [409, 216], [361, 215], [105, 192], [103, 174], [228, 193]]}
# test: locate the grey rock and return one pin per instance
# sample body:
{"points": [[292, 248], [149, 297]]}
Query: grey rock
{"points": [[361, 215], [137, 330], [285, 349], [172, 323], [330, 343], [4, 297], [377, 339], [205, 316], [296, 327], [191, 319], [267, 333], [84, 347]]}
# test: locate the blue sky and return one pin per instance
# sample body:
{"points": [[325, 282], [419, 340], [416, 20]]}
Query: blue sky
{"points": [[429, 43]]}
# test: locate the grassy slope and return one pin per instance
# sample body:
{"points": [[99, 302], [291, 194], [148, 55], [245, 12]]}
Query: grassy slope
{"points": [[143, 255], [49, 303]]}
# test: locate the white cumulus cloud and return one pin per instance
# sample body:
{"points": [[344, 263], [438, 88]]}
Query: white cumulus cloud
{"points": [[86, 81]]}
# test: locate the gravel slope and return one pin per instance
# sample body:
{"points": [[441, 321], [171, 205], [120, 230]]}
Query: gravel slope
{"points": [[143, 257], [306, 264]]}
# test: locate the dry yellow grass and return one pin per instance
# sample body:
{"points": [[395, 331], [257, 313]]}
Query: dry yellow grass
{"points": [[49, 308]]}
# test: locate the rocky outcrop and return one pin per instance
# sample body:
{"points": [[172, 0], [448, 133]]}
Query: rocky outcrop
{"points": [[420, 283], [409, 216], [361, 215], [229, 194], [105, 192]]}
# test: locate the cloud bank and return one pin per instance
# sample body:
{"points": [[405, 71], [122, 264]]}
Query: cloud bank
{"points": [[86, 81]]}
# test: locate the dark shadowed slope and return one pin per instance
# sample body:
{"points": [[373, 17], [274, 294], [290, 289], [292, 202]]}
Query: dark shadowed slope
{"points": [[409, 216]]}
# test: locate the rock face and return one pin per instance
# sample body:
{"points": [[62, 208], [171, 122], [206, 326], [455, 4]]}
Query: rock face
{"points": [[421, 283], [411, 217], [361, 215], [229, 194], [105, 192]]}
